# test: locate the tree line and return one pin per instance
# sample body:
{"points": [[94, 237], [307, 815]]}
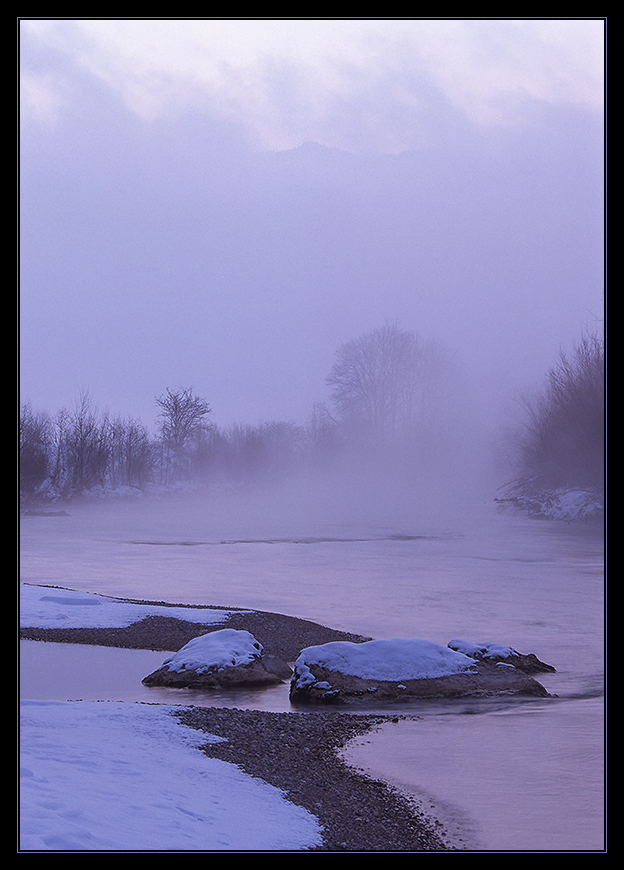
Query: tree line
{"points": [[388, 396], [384, 388]]}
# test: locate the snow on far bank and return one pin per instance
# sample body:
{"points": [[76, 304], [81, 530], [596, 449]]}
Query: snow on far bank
{"points": [[569, 505], [219, 649], [48, 607], [113, 776], [386, 659], [573, 505]]}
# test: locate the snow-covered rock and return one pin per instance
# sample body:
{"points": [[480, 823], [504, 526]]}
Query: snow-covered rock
{"points": [[500, 654], [220, 658], [389, 670]]}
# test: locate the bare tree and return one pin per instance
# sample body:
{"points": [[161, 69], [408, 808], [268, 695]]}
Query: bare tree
{"points": [[35, 450], [322, 436], [182, 422], [85, 447], [380, 381], [129, 453], [564, 436]]}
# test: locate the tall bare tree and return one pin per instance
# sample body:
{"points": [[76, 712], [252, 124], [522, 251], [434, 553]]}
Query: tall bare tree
{"points": [[182, 419], [129, 453], [380, 381], [86, 447]]}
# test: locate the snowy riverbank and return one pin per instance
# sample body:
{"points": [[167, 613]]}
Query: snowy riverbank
{"points": [[567, 505], [118, 776], [111, 776]]}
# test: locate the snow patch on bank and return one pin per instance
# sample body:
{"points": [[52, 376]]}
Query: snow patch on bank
{"points": [[47, 607], [118, 776], [568, 505], [483, 650], [573, 505]]}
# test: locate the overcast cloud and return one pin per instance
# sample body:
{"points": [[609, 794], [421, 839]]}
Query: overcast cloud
{"points": [[178, 228]]}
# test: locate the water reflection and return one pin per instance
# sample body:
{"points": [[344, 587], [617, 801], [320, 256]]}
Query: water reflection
{"points": [[69, 672]]}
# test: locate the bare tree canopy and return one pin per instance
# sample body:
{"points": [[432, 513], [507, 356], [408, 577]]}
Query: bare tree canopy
{"points": [[182, 423], [182, 416], [564, 434], [35, 443], [380, 380]]}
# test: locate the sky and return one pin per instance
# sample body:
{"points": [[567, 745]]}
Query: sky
{"points": [[222, 203]]}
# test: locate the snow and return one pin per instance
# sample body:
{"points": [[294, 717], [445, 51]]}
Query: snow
{"points": [[483, 650], [574, 505], [120, 776], [48, 607], [102, 775], [384, 660], [218, 649], [569, 505]]}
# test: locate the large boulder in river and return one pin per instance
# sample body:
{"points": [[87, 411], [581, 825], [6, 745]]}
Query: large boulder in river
{"points": [[220, 659], [395, 670]]}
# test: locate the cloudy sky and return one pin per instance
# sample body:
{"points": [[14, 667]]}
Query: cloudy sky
{"points": [[221, 203]]}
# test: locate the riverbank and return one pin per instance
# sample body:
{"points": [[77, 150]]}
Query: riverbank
{"points": [[295, 752], [564, 505]]}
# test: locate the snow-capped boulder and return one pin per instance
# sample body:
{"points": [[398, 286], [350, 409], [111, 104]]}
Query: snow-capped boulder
{"points": [[498, 653], [393, 670], [220, 658]]}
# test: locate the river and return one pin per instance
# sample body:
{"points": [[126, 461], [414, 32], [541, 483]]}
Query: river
{"points": [[500, 776]]}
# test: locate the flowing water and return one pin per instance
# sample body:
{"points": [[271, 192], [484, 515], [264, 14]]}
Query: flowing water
{"points": [[500, 775]]}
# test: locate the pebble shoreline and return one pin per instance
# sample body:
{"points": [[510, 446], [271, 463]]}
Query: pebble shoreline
{"points": [[296, 752]]}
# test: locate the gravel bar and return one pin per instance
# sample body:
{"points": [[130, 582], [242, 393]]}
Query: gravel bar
{"points": [[282, 636], [298, 753]]}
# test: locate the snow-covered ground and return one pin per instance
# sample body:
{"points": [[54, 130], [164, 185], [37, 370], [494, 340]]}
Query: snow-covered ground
{"points": [[482, 650], [120, 776], [49, 607], [569, 505], [124, 776]]}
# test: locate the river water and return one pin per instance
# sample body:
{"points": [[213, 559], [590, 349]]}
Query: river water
{"points": [[500, 775]]}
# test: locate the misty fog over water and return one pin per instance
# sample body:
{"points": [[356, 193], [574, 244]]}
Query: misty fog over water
{"points": [[190, 237]]}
